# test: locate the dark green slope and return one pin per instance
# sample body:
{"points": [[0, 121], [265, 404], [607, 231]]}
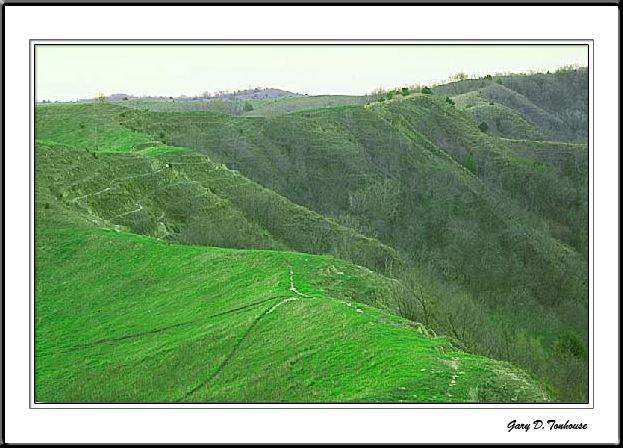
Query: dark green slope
{"points": [[177, 195], [556, 104], [382, 171], [500, 119], [550, 125], [552, 188]]}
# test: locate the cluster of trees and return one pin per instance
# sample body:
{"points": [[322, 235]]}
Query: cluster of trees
{"points": [[384, 95], [462, 76]]}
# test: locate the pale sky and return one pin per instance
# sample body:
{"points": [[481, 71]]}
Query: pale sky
{"points": [[71, 72]]}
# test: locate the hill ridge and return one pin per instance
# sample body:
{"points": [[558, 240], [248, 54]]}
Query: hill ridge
{"points": [[457, 226]]}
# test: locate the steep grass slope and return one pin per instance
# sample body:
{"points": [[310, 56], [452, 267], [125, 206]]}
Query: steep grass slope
{"points": [[501, 120], [395, 172], [179, 195], [125, 318], [128, 318], [90, 127]]}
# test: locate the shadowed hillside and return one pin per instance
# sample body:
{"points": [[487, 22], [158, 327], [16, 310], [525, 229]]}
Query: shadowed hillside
{"points": [[556, 104], [178, 195]]}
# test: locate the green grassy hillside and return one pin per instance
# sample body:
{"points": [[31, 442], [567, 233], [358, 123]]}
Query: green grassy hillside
{"points": [[417, 174], [501, 120], [478, 235], [270, 108], [537, 187], [173, 323], [90, 127], [376, 169]]}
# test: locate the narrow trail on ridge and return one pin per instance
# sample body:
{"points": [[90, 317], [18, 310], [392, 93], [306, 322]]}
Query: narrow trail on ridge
{"points": [[245, 335]]}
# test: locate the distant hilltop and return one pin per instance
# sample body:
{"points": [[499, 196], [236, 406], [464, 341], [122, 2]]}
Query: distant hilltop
{"points": [[257, 93]]}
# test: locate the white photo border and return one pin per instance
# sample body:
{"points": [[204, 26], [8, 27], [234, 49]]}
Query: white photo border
{"points": [[277, 42]]}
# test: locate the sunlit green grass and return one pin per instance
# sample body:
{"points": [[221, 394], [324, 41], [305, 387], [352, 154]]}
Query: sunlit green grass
{"points": [[92, 127], [124, 318]]}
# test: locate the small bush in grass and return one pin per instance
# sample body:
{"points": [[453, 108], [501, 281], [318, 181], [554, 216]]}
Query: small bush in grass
{"points": [[469, 163], [568, 344], [427, 91], [484, 127]]}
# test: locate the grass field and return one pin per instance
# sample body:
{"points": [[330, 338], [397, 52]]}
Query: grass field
{"points": [[171, 323]]}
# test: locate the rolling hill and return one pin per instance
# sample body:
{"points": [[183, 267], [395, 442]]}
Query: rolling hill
{"points": [[152, 304], [420, 222], [176, 194], [251, 107], [555, 104], [174, 323]]}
